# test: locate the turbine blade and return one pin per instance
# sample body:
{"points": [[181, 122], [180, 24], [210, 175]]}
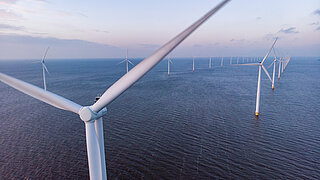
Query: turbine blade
{"points": [[40, 94], [122, 61], [270, 65], [130, 62], [264, 69], [170, 61], [93, 151], [265, 57], [274, 53], [45, 67], [147, 64], [99, 131], [45, 54]]}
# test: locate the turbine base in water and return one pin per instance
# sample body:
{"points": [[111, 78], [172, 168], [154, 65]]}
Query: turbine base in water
{"points": [[272, 87], [257, 114]]}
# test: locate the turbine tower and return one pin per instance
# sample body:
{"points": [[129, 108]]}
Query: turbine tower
{"points": [[92, 115], [193, 64], [210, 63], [274, 71], [221, 61], [279, 72], [169, 61]]}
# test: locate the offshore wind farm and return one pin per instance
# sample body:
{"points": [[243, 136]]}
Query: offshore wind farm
{"points": [[154, 118]]}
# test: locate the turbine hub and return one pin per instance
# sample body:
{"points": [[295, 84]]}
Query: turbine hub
{"points": [[87, 115]]}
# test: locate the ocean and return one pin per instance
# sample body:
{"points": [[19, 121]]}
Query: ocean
{"points": [[189, 125]]}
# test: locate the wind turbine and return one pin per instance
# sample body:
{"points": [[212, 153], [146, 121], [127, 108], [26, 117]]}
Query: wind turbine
{"points": [[92, 115], [44, 69], [274, 68], [169, 61], [193, 64], [259, 76], [230, 60], [282, 64], [221, 61], [127, 62], [279, 72], [238, 60]]}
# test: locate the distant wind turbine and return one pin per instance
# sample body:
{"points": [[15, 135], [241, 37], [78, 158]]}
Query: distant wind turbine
{"points": [[221, 61], [127, 62], [259, 76], [44, 69], [193, 64], [230, 60], [92, 115], [279, 72], [210, 63], [169, 62], [274, 68]]}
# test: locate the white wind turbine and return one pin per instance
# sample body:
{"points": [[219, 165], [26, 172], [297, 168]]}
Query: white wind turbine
{"points": [[274, 68], [259, 76], [210, 63], [44, 69], [221, 61], [92, 115], [169, 61], [286, 62], [279, 72], [127, 62], [282, 64], [193, 64]]}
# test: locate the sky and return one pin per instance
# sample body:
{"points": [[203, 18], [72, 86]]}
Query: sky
{"points": [[106, 28]]}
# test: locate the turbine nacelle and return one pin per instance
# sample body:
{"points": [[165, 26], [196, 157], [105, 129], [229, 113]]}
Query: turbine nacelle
{"points": [[87, 114]]}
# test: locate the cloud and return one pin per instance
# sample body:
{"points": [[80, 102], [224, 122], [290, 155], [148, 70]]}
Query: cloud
{"points": [[29, 47], [258, 18], [197, 45], [8, 14], [318, 28], [9, 27], [100, 31], [237, 40], [8, 2], [314, 24], [291, 30], [317, 12]]}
